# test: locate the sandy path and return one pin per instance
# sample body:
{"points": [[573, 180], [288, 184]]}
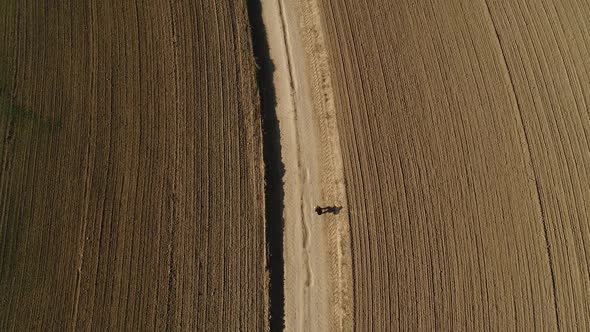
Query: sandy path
{"points": [[317, 259]]}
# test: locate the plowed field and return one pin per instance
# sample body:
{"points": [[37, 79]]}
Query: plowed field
{"points": [[464, 129], [447, 142], [131, 179]]}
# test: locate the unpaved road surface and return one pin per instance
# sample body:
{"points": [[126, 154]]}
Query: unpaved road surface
{"points": [[131, 180], [464, 129], [317, 284]]}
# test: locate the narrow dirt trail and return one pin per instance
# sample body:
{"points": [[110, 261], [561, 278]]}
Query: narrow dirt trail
{"points": [[317, 254]]}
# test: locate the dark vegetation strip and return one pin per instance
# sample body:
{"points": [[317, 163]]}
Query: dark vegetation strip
{"points": [[274, 169]]}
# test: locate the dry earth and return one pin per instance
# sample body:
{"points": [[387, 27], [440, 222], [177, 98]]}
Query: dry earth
{"points": [[131, 192], [464, 128], [132, 186], [317, 283]]}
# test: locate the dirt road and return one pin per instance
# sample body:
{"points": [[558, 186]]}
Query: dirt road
{"points": [[317, 256], [131, 191], [464, 130]]}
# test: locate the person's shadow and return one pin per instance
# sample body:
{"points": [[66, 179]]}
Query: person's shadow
{"points": [[328, 209]]}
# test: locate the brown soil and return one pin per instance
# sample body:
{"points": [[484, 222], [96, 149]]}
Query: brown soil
{"points": [[464, 130], [131, 192], [453, 134]]}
